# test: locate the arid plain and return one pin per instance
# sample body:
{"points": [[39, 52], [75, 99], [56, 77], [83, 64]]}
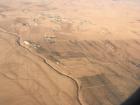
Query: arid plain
{"points": [[69, 52]]}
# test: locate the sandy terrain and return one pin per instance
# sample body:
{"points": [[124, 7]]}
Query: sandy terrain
{"points": [[69, 52]]}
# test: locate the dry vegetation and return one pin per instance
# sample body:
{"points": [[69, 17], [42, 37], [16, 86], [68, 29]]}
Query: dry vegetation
{"points": [[69, 52]]}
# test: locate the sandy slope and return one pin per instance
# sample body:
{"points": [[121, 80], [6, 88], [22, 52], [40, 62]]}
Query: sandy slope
{"points": [[69, 52]]}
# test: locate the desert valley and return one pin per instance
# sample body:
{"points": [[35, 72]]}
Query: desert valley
{"points": [[69, 52]]}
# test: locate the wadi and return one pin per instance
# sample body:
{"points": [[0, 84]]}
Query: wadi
{"points": [[69, 52]]}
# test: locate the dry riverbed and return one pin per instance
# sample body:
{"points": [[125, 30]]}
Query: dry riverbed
{"points": [[67, 52]]}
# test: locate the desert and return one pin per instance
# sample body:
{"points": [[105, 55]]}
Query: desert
{"points": [[69, 52]]}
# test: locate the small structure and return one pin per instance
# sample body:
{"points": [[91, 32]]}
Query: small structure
{"points": [[26, 43], [50, 38], [31, 44]]}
